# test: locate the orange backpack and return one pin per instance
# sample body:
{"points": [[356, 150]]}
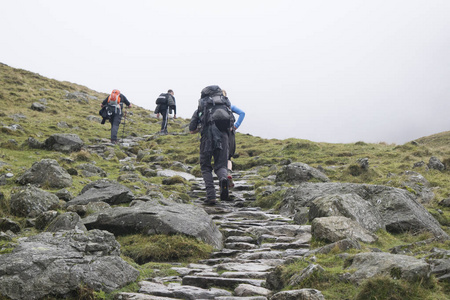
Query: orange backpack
{"points": [[114, 98]]}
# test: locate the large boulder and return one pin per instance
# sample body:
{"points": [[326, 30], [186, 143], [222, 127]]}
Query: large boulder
{"points": [[46, 172], [347, 205], [31, 201], [66, 221], [55, 264], [333, 229], [399, 209], [368, 265], [298, 172], [154, 218], [105, 190], [64, 142]]}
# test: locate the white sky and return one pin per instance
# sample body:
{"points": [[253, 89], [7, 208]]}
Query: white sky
{"points": [[326, 71]]}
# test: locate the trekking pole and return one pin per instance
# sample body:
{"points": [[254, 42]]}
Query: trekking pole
{"points": [[124, 122]]}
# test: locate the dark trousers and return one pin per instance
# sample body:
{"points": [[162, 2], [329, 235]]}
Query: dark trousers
{"points": [[220, 163], [115, 123], [165, 117]]}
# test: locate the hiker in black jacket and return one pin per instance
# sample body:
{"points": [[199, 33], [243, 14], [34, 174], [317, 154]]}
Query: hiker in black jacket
{"points": [[115, 102], [165, 108], [214, 139]]}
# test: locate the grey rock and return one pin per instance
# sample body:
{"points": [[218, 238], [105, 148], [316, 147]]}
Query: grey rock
{"points": [[66, 221], [34, 143], [296, 173], [206, 282], [64, 194], [333, 229], [38, 106], [301, 217], [58, 263], [62, 124], [80, 97], [180, 291], [8, 224], [306, 273], [400, 211], [342, 245], [419, 185], [31, 201], [372, 264], [363, 163], [138, 296], [105, 190], [303, 294], [170, 173], [445, 202], [46, 172], [440, 268], [64, 142], [44, 219], [89, 170], [351, 206], [245, 290], [436, 164], [154, 218]]}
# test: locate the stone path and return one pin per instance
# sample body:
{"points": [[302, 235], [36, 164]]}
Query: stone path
{"points": [[255, 243]]}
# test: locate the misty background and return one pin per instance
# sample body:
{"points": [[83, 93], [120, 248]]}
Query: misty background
{"points": [[326, 71]]}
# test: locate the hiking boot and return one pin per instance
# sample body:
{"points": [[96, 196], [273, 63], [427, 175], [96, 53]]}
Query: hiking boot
{"points": [[224, 189], [210, 202], [230, 181]]}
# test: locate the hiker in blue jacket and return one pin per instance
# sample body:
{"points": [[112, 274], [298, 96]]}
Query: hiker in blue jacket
{"points": [[215, 132], [232, 139]]}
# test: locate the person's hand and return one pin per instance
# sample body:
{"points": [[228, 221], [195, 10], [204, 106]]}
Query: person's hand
{"points": [[157, 115], [130, 105]]}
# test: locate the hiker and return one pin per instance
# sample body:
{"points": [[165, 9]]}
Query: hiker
{"points": [[113, 106], [165, 103], [214, 119], [232, 139]]}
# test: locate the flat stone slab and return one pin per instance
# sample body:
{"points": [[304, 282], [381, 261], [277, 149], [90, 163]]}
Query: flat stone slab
{"points": [[250, 275], [206, 282], [177, 291], [170, 173], [244, 267]]}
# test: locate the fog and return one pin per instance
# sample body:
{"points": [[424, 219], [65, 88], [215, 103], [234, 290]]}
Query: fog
{"points": [[325, 71]]}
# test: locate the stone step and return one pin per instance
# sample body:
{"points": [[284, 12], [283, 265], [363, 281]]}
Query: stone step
{"points": [[177, 291], [229, 283]]}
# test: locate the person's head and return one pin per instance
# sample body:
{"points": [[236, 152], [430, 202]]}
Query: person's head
{"points": [[170, 92], [224, 93]]}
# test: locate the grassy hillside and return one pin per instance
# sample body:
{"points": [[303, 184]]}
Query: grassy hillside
{"points": [[19, 89]]}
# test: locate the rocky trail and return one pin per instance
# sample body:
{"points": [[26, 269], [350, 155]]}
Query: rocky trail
{"points": [[255, 242], [251, 243]]}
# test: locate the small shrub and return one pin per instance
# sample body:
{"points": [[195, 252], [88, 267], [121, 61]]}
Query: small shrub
{"points": [[173, 180], [355, 170], [82, 155], [387, 288], [163, 248]]}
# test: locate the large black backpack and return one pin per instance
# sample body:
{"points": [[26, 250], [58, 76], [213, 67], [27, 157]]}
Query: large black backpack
{"points": [[163, 99], [215, 109]]}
